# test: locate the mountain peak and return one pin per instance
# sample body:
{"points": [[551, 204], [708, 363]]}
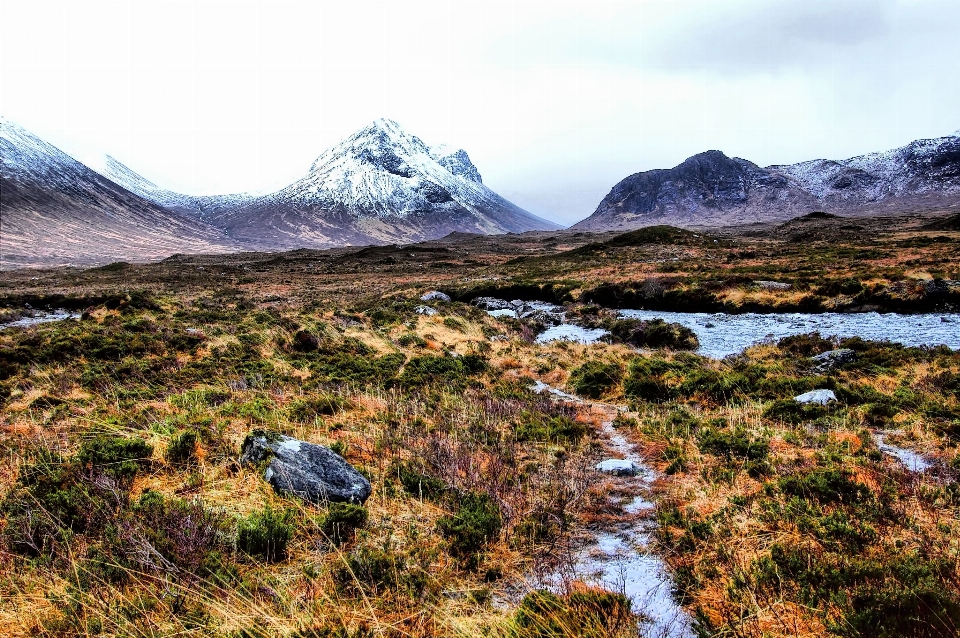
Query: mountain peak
{"points": [[386, 124]]}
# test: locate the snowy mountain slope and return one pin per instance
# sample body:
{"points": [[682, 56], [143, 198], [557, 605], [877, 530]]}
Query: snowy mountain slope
{"points": [[380, 185], [919, 168], [53, 209], [713, 189], [197, 205]]}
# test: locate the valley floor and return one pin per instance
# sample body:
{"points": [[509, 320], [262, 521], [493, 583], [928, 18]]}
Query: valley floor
{"points": [[125, 512]]}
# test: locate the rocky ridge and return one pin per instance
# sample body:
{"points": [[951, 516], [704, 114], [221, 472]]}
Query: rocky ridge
{"points": [[713, 189]]}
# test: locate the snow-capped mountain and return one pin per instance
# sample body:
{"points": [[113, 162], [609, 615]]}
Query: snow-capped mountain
{"points": [[713, 189], [53, 209], [380, 185]]}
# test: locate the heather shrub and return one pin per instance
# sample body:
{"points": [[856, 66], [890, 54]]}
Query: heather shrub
{"points": [[266, 534]]}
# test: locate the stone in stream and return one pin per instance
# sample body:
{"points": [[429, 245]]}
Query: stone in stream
{"points": [[312, 472], [492, 303], [618, 467], [435, 295], [832, 359], [819, 397]]}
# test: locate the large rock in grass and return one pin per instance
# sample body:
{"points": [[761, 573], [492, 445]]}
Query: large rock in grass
{"points": [[313, 472], [816, 397], [827, 361]]}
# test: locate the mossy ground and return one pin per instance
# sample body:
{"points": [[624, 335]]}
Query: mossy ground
{"points": [[123, 503]]}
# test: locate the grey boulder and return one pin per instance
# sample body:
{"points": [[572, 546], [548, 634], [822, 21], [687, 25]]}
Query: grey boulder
{"points": [[492, 303], [834, 358], [818, 397], [435, 295], [312, 472], [425, 310]]}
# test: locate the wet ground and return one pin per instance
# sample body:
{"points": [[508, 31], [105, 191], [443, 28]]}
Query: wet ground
{"points": [[619, 558]]}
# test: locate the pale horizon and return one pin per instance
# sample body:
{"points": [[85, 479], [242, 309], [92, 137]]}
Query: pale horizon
{"points": [[554, 102]]}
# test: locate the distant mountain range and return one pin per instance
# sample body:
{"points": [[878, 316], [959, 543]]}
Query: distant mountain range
{"points": [[381, 185], [715, 190]]}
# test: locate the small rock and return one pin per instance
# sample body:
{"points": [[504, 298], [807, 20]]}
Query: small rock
{"points": [[499, 338], [435, 295], [313, 472], [492, 303], [833, 358], [543, 317], [820, 397], [425, 310], [618, 467], [773, 285]]}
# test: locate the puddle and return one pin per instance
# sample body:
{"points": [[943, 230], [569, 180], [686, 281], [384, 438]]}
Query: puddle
{"points": [[911, 460], [618, 559], [722, 334], [41, 317]]}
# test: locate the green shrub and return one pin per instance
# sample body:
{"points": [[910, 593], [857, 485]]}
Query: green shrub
{"points": [[371, 571], [476, 523], [536, 426], [266, 534], [342, 521], [47, 501], [825, 486], [652, 379], [805, 345], [344, 366], [594, 378], [653, 333], [451, 371], [905, 595], [454, 324], [119, 457], [411, 339], [182, 448], [418, 483], [792, 411], [382, 317], [309, 408], [733, 444], [589, 613]]}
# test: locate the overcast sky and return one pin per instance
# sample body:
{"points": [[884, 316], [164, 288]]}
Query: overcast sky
{"points": [[555, 102]]}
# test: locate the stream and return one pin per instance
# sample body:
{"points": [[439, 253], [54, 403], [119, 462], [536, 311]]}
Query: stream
{"points": [[41, 317], [618, 558], [723, 334]]}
